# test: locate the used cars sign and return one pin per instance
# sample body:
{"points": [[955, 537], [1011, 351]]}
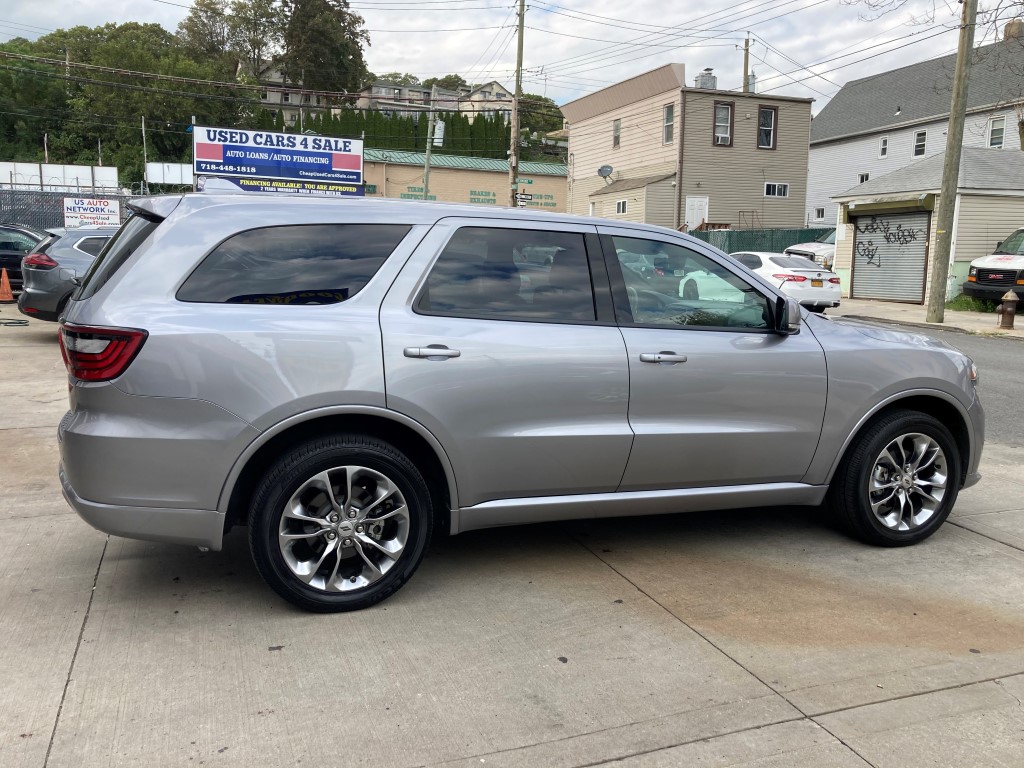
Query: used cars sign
{"points": [[268, 155]]}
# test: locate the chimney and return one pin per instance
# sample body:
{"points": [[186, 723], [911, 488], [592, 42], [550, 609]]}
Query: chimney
{"points": [[1014, 30], [707, 80]]}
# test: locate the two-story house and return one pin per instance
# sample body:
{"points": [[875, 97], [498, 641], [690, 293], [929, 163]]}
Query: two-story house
{"points": [[389, 98], [652, 149], [879, 124], [488, 99]]}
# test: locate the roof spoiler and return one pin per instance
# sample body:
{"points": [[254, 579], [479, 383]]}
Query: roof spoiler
{"points": [[156, 208]]}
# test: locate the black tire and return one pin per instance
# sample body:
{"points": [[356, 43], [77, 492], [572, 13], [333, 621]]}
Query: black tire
{"points": [[690, 291], [295, 471], [849, 497]]}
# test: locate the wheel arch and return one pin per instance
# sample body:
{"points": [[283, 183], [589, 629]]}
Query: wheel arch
{"points": [[407, 435], [936, 403]]}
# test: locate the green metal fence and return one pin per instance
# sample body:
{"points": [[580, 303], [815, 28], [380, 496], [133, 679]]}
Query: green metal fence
{"points": [[770, 240]]}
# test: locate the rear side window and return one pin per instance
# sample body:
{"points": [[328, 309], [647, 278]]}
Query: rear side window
{"points": [[91, 245], [303, 264], [119, 248]]}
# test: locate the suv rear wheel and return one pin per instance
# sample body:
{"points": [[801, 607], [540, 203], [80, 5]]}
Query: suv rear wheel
{"points": [[340, 523], [898, 481]]}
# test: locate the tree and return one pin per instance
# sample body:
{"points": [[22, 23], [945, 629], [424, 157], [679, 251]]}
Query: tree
{"points": [[254, 32], [205, 29], [448, 82], [323, 42], [539, 114], [396, 78]]}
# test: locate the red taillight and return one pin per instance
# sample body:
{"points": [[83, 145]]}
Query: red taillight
{"points": [[39, 261], [834, 280], [790, 278], [99, 354]]}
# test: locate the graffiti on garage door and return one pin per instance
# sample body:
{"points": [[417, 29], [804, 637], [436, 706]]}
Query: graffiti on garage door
{"points": [[889, 256]]}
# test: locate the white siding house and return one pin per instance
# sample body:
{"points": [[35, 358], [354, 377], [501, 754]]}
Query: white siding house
{"points": [[882, 123]]}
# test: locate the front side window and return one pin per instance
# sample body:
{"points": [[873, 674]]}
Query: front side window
{"points": [[616, 133], [302, 264], [767, 117], [511, 274], [775, 189], [723, 124], [667, 285], [667, 120], [996, 128], [620, 206], [920, 143]]}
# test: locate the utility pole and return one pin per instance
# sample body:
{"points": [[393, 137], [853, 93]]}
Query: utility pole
{"points": [[430, 143], [513, 151], [939, 270], [746, 64], [145, 159]]}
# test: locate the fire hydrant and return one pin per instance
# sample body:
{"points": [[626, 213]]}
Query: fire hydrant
{"points": [[1007, 310]]}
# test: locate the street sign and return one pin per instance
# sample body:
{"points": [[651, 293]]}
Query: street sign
{"points": [[523, 196], [268, 155]]}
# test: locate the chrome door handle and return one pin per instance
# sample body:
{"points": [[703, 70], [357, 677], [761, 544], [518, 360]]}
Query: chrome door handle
{"points": [[431, 352], [664, 358]]}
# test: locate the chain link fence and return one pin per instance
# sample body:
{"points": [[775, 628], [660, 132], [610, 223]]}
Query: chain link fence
{"points": [[43, 210], [767, 240]]}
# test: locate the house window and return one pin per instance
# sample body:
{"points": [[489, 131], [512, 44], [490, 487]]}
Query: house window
{"points": [[616, 133], [285, 97], [486, 94], [500, 95], [590, 210], [920, 142], [819, 214], [620, 206], [864, 177], [774, 189], [723, 124], [263, 95], [996, 128], [667, 123], [767, 117], [273, 114], [305, 98], [883, 146]]}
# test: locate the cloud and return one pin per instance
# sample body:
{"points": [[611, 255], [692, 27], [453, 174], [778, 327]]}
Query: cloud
{"points": [[576, 46]]}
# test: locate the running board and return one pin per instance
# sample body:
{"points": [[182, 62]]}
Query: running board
{"points": [[541, 509]]}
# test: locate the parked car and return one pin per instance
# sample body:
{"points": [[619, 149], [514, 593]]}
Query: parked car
{"points": [[811, 284], [52, 271], [821, 251], [15, 242], [990, 277], [349, 378]]}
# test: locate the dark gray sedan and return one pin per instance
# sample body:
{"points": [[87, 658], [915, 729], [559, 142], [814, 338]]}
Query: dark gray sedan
{"points": [[51, 271]]}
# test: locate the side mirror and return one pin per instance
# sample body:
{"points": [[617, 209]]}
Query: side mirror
{"points": [[787, 316]]}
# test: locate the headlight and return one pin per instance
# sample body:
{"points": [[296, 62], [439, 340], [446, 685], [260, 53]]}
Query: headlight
{"points": [[973, 271]]}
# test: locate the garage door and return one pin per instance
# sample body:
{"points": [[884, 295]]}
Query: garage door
{"points": [[890, 255]]}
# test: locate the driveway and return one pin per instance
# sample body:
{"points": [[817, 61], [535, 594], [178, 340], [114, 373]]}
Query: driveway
{"points": [[759, 636]]}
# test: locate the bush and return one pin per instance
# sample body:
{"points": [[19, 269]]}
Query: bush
{"points": [[965, 303]]}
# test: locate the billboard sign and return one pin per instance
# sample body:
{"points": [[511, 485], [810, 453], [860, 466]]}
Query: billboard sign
{"points": [[268, 155], [79, 211], [328, 188]]}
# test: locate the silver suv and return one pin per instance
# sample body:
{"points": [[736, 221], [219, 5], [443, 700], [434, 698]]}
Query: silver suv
{"points": [[348, 378]]}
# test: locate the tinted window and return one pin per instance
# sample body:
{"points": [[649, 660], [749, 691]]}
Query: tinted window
{"points": [[669, 285], [91, 245], [119, 248], [748, 260], [511, 274], [305, 264]]}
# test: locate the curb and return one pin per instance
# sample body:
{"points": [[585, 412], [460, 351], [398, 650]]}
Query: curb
{"points": [[994, 333]]}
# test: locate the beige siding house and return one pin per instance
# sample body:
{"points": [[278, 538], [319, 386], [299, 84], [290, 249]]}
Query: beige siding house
{"points": [[652, 149], [886, 233]]}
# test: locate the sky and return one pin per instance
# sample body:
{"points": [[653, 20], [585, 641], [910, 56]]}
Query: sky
{"points": [[803, 48]]}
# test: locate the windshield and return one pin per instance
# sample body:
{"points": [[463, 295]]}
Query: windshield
{"points": [[1014, 244], [830, 238]]}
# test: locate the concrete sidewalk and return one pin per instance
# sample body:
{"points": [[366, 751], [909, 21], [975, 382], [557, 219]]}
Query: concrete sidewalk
{"points": [[914, 315]]}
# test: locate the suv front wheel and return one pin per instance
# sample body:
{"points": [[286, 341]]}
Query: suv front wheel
{"points": [[340, 523]]}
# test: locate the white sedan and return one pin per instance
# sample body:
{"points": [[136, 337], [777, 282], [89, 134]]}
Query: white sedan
{"points": [[811, 284]]}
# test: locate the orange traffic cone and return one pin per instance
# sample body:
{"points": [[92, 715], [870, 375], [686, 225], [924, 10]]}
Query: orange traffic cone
{"points": [[6, 294]]}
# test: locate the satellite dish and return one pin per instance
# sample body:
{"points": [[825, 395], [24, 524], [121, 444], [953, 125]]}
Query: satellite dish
{"points": [[604, 171]]}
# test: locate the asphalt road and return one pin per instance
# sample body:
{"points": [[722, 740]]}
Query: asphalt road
{"points": [[1001, 363]]}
